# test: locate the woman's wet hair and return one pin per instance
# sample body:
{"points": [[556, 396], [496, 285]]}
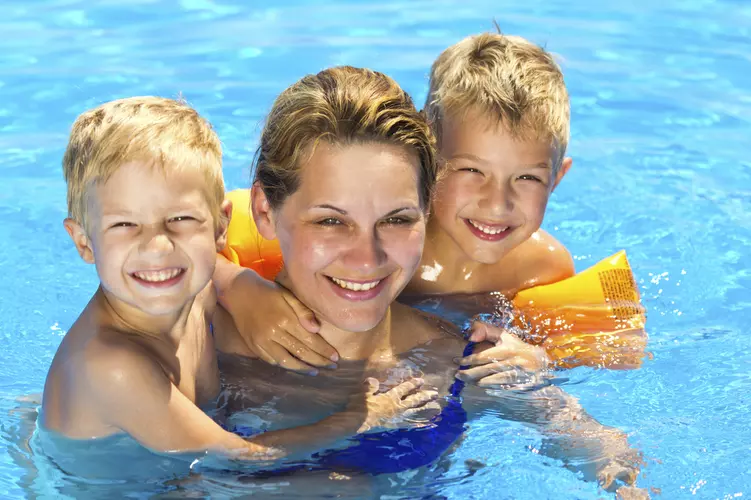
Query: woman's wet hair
{"points": [[342, 106]]}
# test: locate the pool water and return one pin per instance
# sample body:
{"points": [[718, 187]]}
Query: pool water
{"points": [[661, 127]]}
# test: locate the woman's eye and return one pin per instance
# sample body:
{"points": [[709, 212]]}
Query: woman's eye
{"points": [[329, 221], [398, 221]]}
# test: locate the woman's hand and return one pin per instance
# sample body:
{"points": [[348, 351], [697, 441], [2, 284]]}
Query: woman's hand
{"points": [[511, 363], [274, 325], [387, 410]]}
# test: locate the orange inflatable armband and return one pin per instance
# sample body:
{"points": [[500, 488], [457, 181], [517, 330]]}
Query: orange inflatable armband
{"points": [[245, 246], [594, 318]]}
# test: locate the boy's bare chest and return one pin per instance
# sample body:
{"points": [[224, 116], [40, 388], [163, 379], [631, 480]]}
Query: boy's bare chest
{"points": [[483, 279], [194, 369]]}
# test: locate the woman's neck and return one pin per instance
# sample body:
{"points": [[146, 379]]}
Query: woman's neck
{"points": [[367, 345]]}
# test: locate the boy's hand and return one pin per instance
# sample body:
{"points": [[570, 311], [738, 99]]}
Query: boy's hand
{"points": [[385, 410], [511, 362], [620, 467], [276, 326]]}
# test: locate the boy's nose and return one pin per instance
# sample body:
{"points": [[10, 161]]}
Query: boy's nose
{"points": [[366, 253], [497, 199], [157, 242]]}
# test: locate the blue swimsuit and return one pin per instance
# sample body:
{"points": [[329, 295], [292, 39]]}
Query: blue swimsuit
{"points": [[390, 451]]}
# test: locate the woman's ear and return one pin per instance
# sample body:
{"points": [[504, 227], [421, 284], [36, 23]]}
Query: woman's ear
{"points": [[80, 240], [263, 214], [225, 216]]}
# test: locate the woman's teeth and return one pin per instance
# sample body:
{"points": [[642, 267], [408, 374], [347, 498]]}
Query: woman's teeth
{"points": [[157, 276], [357, 287], [488, 229]]}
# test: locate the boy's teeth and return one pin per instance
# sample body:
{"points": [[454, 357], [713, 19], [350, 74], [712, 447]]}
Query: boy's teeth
{"points": [[487, 229], [157, 276], [357, 287]]}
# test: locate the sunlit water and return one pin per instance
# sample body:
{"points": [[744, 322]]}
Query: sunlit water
{"points": [[661, 96]]}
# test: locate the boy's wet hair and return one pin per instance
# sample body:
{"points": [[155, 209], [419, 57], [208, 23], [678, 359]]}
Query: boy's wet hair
{"points": [[340, 105], [165, 133], [507, 79]]}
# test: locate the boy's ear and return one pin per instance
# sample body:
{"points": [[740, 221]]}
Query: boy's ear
{"points": [[225, 216], [263, 215], [80, 240], [565, 167]]}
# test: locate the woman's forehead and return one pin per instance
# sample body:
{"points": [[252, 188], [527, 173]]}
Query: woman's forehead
{"points": [[352, 172]]}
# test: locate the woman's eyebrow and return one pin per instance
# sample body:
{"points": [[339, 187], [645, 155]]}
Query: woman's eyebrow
{"points": [[394, 212], [331, 207]]}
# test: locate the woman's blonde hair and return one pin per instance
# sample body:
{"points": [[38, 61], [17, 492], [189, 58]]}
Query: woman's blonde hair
{"points": [[341, 105]]}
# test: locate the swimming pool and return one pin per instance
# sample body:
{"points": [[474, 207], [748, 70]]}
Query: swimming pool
{"points": [[661, 100]]}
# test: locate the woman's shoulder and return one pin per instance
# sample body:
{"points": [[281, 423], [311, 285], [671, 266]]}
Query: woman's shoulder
{"points": [[412, 327]]}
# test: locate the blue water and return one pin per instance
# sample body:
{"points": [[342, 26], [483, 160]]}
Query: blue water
{"points": [[661, 96]]}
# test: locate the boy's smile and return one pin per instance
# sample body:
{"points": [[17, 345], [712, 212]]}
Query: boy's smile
{"points": [[496, 189]]}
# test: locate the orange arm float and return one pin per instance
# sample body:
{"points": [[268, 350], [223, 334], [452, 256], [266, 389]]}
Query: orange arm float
{"points": [[594, 318], [245, 246]]}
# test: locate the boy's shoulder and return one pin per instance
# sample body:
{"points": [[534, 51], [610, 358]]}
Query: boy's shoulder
{"points": [[540, 260], [91, 370]]}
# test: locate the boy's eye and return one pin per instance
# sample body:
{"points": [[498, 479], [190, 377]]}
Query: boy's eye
{"points": [[528, 177], [182, 218], [122, 224], [329, 221], [469, 169]]}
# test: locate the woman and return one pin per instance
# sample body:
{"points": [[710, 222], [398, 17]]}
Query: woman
{"points": [[343, 179]]}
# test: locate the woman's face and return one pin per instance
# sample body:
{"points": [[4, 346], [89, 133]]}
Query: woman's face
{"points": [[352, 234]]}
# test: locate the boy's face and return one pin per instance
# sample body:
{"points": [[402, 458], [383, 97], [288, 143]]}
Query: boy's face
{"points": [[496, 187], [152, 237]]}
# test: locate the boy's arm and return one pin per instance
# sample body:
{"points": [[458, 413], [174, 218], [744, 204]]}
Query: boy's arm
{"points": [[275, 326], [130, 391], [599, 452]]}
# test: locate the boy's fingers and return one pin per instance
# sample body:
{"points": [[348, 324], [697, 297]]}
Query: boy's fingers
{"points": [[283, 358], [631, 493], [265, 357], [372, 385], [407, 387], [482, 331], [305, 316], [304, 353], [315, 343], [510, 377], [419, 398], [478, 372], [498, 353], [433, 405]]}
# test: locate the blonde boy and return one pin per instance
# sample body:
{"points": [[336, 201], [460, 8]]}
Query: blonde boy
{"points": [[500, 110], [146, 207]]}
